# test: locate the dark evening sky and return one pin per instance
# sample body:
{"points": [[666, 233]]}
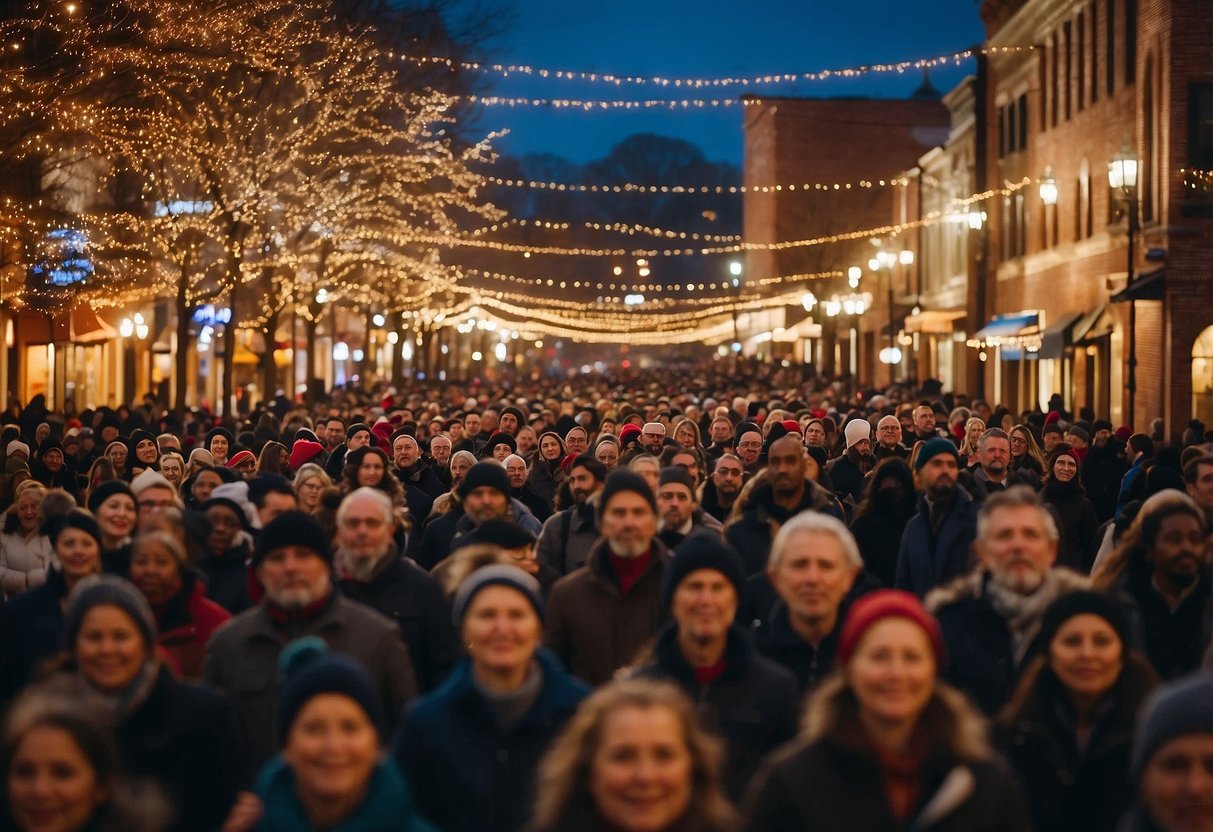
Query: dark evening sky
{"points": [[708, 39]]}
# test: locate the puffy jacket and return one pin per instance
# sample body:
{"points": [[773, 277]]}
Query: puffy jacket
{"points": [[468, 775], [23, 562], [751, 533], [926, 560]]}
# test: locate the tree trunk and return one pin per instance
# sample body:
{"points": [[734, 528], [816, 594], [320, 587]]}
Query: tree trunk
{"points": [[181, 357], [313, 389], [397, 361], [229, 352], [269, 370]]}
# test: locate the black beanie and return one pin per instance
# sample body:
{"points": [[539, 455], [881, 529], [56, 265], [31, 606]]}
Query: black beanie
{"points": [[500, 438], [624, 480], [1084, 602], [356, 428], [517, 414], [678, 475], [819, 455], [489, 473], [105, 490], [292, 528], [310, 670], [74, 519], [701, 550], [743, 428], [224, 432]]}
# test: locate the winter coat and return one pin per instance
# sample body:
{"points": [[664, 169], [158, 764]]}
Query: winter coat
{"points": [[387, 807], [709, 501], [592, 627], [468, 775], [23, 562], [878, 535], [1173, 640], [30, 627], [830, 780], [1068, 789], [980, 488], [567, 537], [753, 706], [186, 623], [545, 479], [981, 651], [242, 660], [536, 505], [926, 560], [422, 478], [226, 577], [402, 591], [1076, 525], [847, 478], [441, 533], [751, 533], [701, 523], [1102, 471], [182, 737], [776, 640]]}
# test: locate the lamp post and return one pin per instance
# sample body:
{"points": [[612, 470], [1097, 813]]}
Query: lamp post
{"points": [[735, 271], [884, 261], [1048, 196], [1122, 176]]}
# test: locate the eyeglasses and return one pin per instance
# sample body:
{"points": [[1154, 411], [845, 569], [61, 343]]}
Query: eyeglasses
{"points": [[1018, 440]]}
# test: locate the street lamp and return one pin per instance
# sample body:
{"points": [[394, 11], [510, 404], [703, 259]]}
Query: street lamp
{"points": [[884, 261], [1122, 176]]}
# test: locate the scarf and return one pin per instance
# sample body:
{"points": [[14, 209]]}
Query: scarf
{"points": [[1023, 612], [128, 700]]}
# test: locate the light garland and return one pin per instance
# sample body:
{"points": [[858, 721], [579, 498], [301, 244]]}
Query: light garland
{"points": [[642, 288], [899, 67], [633, 188]]}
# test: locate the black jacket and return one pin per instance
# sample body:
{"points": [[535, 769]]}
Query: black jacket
{"points": [[424, 479], [878, 535], [1076, 525], [405, 593], [226, 577], [752, 533], [753, 706], [29, 632], [1173, 640]]}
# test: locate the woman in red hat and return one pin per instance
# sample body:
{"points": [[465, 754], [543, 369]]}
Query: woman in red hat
{"points": [[885, 745]]}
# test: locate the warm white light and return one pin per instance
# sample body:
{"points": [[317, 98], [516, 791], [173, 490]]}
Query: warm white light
{"points": [[874, 264], [476, 356], [905, 257], [406, 351], [735, 268], [127, 328], [500, 351], [1048, 187], [379, 320], [890, 355], [393, 337], [633, 300], [359, 355], [618, 270], [341, 351], [322, 296], [853, 275], [976, 219], [808, 301], [1122, 171], [539, 345]]}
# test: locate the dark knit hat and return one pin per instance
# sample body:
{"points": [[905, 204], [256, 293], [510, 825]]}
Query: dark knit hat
{"points": [[1079, 433], [1084, 602], [292, 528], [303, 452], [487, 474], [74, 519], [262, 485], [888, 603], [743, 428], [105, 490], [678, 475], [500, 438], [224, 432], [1176, 709], [309, 670], [504, 533], [624, 480], [1101, 424], [516, 413], [357, 427], [819, 455], [108, 591], [497, 574], [933, 448], [701, 550]]}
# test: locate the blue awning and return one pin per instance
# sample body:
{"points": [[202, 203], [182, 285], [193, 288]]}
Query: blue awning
{"points": [[1008, 326]]}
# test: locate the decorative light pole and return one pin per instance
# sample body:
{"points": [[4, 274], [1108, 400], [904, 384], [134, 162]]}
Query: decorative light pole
{"points": [[1122, 176]]}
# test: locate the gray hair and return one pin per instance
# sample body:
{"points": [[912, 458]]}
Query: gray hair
{"points": [[814, 522], [992, 433], [379, 498], [459, 455], [506, 461], [1017, 496]]}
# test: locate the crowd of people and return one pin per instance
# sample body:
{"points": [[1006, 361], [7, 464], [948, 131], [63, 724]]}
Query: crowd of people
{"points": [[675, 602]]}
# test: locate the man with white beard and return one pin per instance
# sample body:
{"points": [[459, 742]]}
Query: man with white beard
{"points": [[374, 573]]}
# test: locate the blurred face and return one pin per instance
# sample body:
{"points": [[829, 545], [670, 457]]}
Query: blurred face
{"points": [[52, 786], [1017, 548], [995, 455], [924, 421], [205, 482], [704, 605], [172, 470], [689, 462], [116, 516], [334, 433], [501, 451], [640, 775], [727, 477], [938, 475], [459, 467], [675, 503], [27, 511], [53, 460], [1052, 440], [502, 630], [371, 471], [1087, 656], [721, 431], [153, 499], [146, 451], [294, 577], [440, 449], [1202, 490], [276, 504], [309, 493], [219, 448], [1179, 550], [156, 572], [508, 423], [1064, 468], [785, 467], [576, 441], [360, 439], [973, 431], [1101, 437], [40, 433], [364, 534], [629, 524], [406, 452], [472, 424], [892, 672], [888, 432], [685, 436], [117, 455], [515, 469], [109, 648], [526, 440], [582, 483], [815, 435], [863, 447], [332, 748], [79, 554], [549, 448], [1177, 785], [650, 470], [653, 440], [485, 503], [225, 525], [1018, 444], [749, 447], [813, 576], [488, 421], [608, 454]]}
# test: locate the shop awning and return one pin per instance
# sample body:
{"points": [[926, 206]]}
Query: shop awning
{"points": [[934, 321], [87, 328], [802, 329], [1092, 326], [1148, 286], [1008, 327], [1057, 336], [899, 324]]}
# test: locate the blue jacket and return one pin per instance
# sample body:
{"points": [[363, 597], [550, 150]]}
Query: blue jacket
{"points": [[468, 776], [388, 806], [924, 560]]}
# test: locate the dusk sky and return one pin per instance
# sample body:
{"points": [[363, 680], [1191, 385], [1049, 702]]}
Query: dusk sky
{"points": [[709, 39]]}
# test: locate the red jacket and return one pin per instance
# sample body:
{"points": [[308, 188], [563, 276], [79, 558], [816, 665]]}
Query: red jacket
{"points": [[186, 623]]}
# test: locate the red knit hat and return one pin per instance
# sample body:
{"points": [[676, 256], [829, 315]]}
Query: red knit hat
{"points": [[1052, 416], [240, 458], [628, 432], [792, 425], [303, 452], [888, 603]]}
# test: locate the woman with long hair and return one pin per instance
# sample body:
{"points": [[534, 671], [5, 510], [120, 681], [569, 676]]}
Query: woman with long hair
{"points": [[1026, 454], [630, 737], [546, 473], [273, 459], [886, 744], [1065, 496], [118, 454], [310, 482], [25, 550], [973, 429], [369, 467], [686, 433], [1069, 725]]}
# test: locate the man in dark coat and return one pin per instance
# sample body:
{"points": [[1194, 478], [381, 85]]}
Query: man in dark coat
{"points": [[847, 471], [516, 470], [680, 513], [568, 535], [293, 562], [718, 494], [411, 469], [750, 701], [936, 545], [393, 586], [783, 493], [599, 616], [888, 440]]}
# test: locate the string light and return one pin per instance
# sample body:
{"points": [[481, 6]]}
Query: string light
{"points": [[634, 188]]}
